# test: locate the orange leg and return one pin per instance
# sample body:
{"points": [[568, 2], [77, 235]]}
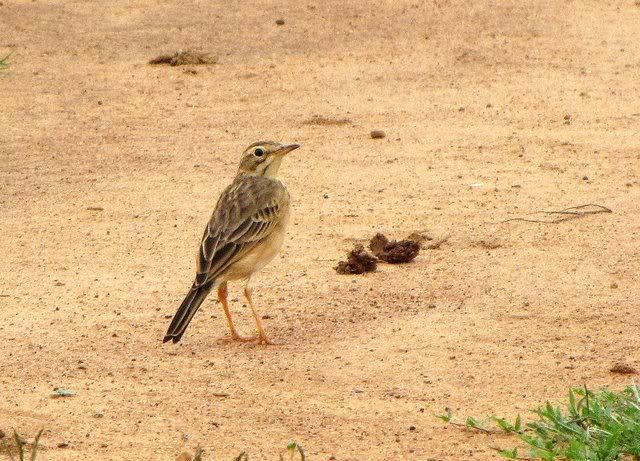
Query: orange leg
{"points": [[222, 297], [262, 337]]}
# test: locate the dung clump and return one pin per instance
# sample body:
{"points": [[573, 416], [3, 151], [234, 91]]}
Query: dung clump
{"points": [[392, 251], [358, 261], [623, 369], [184, 58]]}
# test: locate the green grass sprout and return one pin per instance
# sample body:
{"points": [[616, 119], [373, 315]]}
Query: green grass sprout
{"points": [[598, 425]]}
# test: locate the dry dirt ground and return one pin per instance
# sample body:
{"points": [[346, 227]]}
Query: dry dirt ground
{"points": [[492, 109]]}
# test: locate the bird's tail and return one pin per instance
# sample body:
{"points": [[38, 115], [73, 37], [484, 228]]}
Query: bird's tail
{"points": [[186, 311]]}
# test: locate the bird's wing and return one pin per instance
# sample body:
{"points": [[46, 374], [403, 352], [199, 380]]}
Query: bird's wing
{"points": [[246, 212]]}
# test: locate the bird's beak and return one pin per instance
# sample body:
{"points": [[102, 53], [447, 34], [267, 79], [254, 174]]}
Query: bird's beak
{"points": [[284, 150]]}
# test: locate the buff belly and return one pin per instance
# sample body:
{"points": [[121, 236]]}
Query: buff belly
{"points": [[262, 255]]}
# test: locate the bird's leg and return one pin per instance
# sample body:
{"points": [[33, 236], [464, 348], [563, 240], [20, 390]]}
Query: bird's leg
{"points": [[222, 297], [262, 337]]}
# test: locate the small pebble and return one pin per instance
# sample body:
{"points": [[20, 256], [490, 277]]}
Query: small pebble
{"points": [[377, 134], [280, 22], [613, 285]]}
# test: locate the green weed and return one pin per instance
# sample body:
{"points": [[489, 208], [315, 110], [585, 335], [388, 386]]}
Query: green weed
{"points": [[592, 426]]}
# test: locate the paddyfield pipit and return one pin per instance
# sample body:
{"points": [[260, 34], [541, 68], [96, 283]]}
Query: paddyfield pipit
{"points": [[245, 232]]}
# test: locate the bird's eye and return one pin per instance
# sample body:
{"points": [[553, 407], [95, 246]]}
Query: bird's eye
{"points": [[258, 152]]}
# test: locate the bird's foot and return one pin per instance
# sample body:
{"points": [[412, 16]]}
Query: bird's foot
{"points": [[244, 339], [263, 340]]}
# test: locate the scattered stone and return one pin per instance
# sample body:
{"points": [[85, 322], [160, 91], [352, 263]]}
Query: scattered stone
{"points": [[377, 134], [394, 252], [98, 414], [63, 445], [95, 208], [613, 285], [223, 395], [358, 262], [280, 22], [623, 369], [62, 392], [184, 58]]}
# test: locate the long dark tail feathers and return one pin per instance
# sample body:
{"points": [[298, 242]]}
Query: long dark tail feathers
{"points": [[186, 311]]}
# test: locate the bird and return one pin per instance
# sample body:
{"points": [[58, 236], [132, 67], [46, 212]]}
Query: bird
{"points": [[244, 234]]}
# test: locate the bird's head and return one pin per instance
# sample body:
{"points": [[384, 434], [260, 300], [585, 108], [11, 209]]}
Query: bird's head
{"points": [[263, 158]]}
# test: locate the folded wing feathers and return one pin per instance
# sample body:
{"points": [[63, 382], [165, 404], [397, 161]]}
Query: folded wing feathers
{"points": [[233, 229]]}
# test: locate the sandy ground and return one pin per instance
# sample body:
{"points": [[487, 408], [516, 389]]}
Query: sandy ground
{"points": [[535, 104]]}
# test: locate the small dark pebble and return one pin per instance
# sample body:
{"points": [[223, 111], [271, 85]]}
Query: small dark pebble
{"points": [[585, 178], [377, 134], [412, 428], [280, 22], [63, 445]]}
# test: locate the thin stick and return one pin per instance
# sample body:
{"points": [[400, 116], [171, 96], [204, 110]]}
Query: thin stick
{"points": [[567, 214]]}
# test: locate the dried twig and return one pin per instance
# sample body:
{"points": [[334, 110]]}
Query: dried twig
{"points": [[567, 214]]}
